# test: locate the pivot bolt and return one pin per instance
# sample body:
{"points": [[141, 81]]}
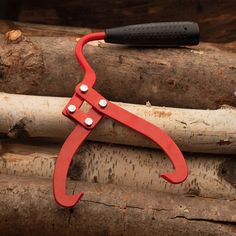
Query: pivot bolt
{"points": [[71, 108], [83, 88], [103, 103], [88, 121]]}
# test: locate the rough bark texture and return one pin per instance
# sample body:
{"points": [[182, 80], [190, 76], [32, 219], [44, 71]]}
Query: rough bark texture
{"points": [[210, 176], [199, 77], [217, 20], [209, 131], [109, 210]]}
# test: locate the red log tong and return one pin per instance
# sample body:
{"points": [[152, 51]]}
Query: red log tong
{"points": [[154, 34]]}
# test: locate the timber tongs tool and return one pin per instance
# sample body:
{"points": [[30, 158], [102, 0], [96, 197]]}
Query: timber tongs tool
{"points": [[166, 34]]}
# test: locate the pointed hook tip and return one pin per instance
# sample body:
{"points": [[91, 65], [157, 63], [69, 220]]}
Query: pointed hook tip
{"points": [[68, 201], [175, 178]]}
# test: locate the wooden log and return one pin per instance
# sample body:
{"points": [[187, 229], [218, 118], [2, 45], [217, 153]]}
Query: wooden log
{"points": [[28, 205], [217, 21], [42, 30], [165, 77], [29, 29], [209, 131], [210, 176]]}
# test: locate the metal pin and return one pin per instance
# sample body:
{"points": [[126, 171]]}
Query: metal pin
{"points": [[88, 121], [71, 108], [83, 88], [103, 103]]}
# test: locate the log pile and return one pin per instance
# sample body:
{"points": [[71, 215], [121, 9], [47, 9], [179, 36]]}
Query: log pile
{"points": [[189, 92]]}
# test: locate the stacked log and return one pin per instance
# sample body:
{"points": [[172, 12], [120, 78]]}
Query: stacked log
{"points": [[193, 77], [109, 210], [193, 130], [210, 176]]}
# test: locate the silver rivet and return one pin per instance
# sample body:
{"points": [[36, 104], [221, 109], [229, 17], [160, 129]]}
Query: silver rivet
{"points": [[102, 103], [83, 88], [71, 108], [88, 121]]}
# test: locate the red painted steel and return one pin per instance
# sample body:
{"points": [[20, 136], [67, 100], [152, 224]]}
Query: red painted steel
{"points": [[81, 131]]}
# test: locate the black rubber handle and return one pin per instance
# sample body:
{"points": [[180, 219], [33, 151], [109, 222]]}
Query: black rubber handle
{"points": [[164, 34]]}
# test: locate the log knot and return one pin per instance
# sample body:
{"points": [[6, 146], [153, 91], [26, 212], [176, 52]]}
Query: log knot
{"points": [[22, 60], [19, 129], [227, 171], [13, 36]]}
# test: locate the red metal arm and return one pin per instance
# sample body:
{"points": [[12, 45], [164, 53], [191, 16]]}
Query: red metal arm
{"points": [[89, 76], [146, 128]]}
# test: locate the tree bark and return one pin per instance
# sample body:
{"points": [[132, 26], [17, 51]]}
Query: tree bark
{"points": [[109, 210], [199, 77], [209, 131], [217, 21], [210, 176]]}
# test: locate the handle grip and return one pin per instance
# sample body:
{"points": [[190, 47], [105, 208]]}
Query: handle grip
{"points": [[163, 34]]}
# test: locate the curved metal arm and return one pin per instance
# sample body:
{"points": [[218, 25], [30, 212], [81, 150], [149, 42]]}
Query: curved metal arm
{"points": [[144, 127], [68, 150], [90, 76]]}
